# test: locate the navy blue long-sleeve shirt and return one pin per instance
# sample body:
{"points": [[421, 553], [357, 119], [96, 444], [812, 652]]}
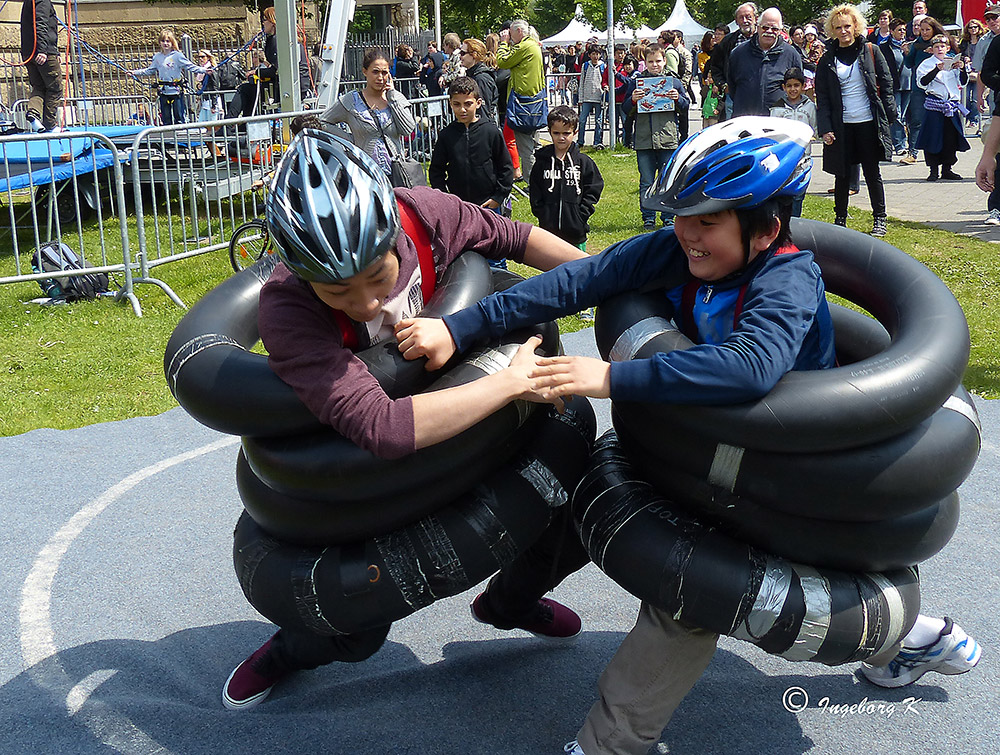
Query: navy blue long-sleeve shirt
{"points": [[784, 323]]}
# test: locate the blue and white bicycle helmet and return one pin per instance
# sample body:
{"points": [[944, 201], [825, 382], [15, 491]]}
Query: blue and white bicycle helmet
{"points": [[736, 164], [330, 209]]}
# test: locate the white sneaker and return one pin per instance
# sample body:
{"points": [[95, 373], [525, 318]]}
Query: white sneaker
{"points": [[993, 218], [573, 748], [953, 652]]}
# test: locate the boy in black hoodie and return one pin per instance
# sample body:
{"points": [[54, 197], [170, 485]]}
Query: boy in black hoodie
{"points": [[565, 184], [470, 158]]}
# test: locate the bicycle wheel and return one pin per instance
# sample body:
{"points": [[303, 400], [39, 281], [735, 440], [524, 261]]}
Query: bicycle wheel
{"points": [[249, 243]]}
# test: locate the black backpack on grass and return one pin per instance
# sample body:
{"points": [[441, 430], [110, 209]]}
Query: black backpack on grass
{"points": [[53, 257]]}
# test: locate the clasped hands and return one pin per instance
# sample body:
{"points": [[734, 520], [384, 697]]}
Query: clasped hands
{"points": [[539, 378]]}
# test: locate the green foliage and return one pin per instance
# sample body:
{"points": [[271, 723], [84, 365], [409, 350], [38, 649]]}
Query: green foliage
{"points": [[550, 16], [473, 18]]}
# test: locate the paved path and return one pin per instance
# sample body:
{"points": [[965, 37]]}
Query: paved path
{"points": [[956, 206]]}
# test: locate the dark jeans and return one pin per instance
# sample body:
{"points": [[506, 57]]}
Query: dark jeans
{"points": [[861, 145], [172, 108], [294, 650], [558, 552], [245, 99], [46, 90], [914, 117], [651, 163], [512, 593], [586, 108], [628, 132], [993, 200]]}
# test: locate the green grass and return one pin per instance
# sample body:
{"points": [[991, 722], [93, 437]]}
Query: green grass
{"points": [[77, 364]]}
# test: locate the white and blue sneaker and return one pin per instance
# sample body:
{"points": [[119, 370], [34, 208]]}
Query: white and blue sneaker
{"points": [[953, 652], [573, 748]]}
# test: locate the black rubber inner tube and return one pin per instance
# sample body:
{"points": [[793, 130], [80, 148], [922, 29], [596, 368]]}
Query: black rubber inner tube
{"points": [[223, 385], [704, 577], [379, 578], [880, 481], [855, 405]]}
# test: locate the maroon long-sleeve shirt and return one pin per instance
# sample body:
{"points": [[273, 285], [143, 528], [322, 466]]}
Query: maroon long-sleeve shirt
{"points": [[305, 344]]}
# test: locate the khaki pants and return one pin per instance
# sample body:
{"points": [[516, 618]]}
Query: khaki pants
{"points": [[654, 668], [46, 89]]}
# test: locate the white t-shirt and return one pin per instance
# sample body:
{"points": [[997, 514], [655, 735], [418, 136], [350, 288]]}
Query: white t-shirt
{"points": [[945, 85], [857, 108]]}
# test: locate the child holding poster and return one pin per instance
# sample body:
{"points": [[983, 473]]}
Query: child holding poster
{"points": [[657, 130]]}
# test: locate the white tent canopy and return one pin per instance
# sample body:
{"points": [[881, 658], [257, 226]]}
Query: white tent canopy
{"points": [[681, 20], [575, 31]]}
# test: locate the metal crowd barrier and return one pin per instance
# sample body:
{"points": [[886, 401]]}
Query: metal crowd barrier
{"points": [[49, 190], [563, 88], [190, 187], [194, 184], [431, 114]]}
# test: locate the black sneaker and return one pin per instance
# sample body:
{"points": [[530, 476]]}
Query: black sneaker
{"points": [[841, 220], [879, 226]]}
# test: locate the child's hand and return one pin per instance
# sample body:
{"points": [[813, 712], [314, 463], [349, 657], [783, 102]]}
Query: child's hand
{"points": [[673, 94], [638, 94], [425, 337], [572, 376], [490, 204], [522, 369]]}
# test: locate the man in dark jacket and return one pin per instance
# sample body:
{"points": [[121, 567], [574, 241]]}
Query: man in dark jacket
{"points": [[430, 70], [757, 68], [746, 19], [40, 51]]}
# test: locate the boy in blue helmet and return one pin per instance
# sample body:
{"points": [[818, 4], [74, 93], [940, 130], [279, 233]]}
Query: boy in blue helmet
{"points": [[755, 306]]}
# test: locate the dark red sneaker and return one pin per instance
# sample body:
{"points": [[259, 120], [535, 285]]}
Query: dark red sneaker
{"points": [[549, 619], [252, 680]]}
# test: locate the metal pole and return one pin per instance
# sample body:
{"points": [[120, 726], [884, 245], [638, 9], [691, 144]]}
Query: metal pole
{"points": [[290, 97], [437, 23], [612, 120]]}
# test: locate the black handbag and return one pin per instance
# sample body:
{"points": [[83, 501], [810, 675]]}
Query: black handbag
{"points": [[404, 173]]}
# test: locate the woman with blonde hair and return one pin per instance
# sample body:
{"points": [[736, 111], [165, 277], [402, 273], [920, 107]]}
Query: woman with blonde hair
{"points": [[974, 31], [169, 65], [854, 107]]}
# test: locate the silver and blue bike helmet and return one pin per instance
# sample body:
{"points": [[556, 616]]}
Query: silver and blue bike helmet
{"points": [[737, 164], [330, 209]]}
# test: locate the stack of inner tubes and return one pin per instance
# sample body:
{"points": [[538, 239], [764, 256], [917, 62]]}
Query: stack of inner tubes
{"points": [[335, 540], [795, 521]]}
